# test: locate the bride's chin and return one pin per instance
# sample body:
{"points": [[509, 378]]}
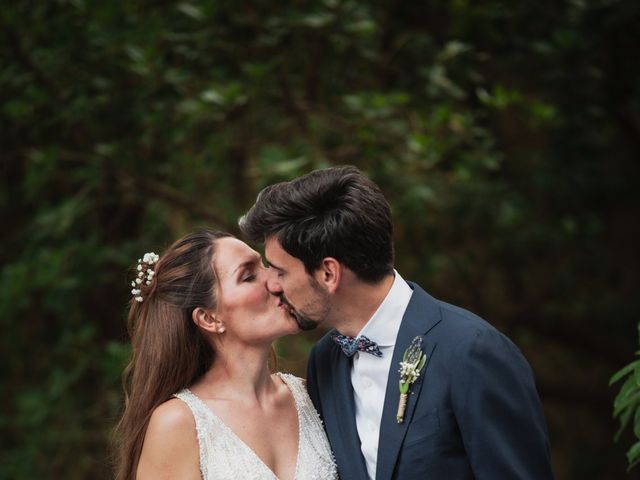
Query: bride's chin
{"points": [[285, 332], [292, 323], [287, 315], [288, 323]]}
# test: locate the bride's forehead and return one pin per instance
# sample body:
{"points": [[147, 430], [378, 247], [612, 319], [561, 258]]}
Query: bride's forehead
{"points": [[232, 245], [231, 253]]}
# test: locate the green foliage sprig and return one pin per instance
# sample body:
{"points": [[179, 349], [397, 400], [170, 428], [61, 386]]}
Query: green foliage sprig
{"points": [[626, 406], [412, 363]]}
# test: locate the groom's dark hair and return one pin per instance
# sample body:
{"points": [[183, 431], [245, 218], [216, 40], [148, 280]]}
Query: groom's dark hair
{"points": [[335, 212]]}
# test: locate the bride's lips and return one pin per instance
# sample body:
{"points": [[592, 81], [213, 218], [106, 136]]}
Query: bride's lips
{"points": [[287, 307], [303, 322]]}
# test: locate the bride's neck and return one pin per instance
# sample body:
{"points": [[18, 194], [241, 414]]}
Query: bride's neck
{"points": [[239, 372]]}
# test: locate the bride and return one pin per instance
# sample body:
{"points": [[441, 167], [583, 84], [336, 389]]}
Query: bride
{"points": [[200, 401]]}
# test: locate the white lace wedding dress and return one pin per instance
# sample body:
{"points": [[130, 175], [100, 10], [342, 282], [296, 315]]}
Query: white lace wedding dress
{"points": [[224, 456]]}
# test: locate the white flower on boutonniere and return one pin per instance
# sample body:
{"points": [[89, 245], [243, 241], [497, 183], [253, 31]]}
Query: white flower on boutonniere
{"points": [[412, 363]]}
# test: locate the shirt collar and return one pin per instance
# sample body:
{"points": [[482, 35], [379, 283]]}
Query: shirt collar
{"points": [[384, 325]]}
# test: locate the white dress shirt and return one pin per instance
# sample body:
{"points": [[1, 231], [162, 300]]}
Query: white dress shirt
{"points": [[369, 373]]}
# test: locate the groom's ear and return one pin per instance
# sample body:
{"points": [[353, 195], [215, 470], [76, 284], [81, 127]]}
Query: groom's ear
{"points": [[329, 274]]}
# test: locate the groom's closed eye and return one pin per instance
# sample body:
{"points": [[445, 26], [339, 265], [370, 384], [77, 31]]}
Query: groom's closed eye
{"points": [[275, 267]]}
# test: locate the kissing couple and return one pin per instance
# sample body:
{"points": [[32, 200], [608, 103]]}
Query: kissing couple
{"points": [[402, 386]]}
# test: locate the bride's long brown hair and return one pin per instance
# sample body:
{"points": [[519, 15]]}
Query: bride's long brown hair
{"points": [[168, 352]]}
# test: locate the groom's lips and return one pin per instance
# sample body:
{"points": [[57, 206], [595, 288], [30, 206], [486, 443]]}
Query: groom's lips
{"points": [[287, 306], [303, 322]]}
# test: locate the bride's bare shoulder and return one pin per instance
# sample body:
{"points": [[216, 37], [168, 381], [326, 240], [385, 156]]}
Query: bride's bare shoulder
{"points": [[173, 415], [170, 444]]}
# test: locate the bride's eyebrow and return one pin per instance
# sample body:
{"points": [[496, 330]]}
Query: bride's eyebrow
{"points": [[247, 263]]}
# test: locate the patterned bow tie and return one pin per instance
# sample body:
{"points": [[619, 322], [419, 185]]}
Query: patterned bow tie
{"points": [[350, 345]]}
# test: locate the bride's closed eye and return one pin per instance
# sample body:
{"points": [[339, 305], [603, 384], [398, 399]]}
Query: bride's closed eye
{"points": [[248, 277]]}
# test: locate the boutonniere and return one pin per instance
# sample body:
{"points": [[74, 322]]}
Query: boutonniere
{"points": [[411, 365]]}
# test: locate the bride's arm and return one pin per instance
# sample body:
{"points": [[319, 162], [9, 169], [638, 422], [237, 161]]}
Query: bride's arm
{"points": [[170, 449]]}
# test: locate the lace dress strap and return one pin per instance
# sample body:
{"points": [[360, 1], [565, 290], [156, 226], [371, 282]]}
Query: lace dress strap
{"points": [[296, 386], [315, 457], [302, 400], [203, 425]]}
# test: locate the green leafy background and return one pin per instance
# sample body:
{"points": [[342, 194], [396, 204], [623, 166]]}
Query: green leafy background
{"points": [[506, 136]]}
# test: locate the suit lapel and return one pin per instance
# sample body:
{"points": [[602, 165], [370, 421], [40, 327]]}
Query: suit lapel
{"points": [[343, 420], [421, 316]]}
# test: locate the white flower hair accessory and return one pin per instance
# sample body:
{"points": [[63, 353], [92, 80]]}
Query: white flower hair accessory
{"points": [[145, 274]]}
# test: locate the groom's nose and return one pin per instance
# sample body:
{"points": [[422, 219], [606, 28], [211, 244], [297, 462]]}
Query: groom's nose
{"points": [[273, 284]]}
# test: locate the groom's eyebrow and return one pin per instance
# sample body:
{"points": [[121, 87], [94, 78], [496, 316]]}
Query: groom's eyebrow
{"points": [[271, 265]]}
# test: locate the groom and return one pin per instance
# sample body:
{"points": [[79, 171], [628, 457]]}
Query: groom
{"points": [[473, 411]]}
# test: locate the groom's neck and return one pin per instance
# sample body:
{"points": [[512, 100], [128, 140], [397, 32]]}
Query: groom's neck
{"points": [[357, 301]]}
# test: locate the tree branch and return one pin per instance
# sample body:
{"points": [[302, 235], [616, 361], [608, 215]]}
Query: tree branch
{"points": [[562, 331], [597, 400], [178, 199], [24, 59]]}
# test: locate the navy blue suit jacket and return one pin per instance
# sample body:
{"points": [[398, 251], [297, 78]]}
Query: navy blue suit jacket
{"points": [[474, 412]]}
